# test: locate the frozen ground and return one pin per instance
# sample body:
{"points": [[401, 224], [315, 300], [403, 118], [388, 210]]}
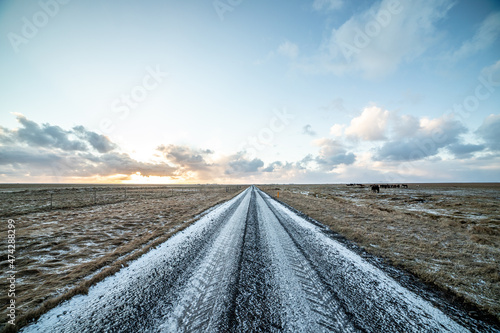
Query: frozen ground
{"points": [[64, 250], [249, 265]]}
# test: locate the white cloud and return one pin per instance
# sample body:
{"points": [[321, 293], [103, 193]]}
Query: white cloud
{"points": [[406, 138], [327, 4], [405, 126], [375, 42], [370, 125], [489, 131], [289, 49], [486, 34], [332, 153], [337, 130], [430, 136]]}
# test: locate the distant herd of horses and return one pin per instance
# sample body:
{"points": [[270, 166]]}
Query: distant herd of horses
{"points": [[376, 188]]}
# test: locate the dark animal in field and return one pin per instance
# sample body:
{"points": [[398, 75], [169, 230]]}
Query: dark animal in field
{"points": [[375, 188]]}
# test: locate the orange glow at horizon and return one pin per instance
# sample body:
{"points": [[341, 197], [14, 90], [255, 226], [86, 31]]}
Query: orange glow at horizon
{"points": [[131, 179], [137, 178]]}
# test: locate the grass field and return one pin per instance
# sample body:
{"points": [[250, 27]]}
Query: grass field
{"points": [[446, 234], [63, 249]]}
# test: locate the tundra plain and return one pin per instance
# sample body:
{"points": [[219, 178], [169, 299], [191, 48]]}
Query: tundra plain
{"points": [[69, 238]]}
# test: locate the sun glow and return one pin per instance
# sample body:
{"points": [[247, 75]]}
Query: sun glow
{"points": [[137, 178]]}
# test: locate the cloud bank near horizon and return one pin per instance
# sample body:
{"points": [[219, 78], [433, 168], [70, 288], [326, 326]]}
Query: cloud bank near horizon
{"points": [[377, 145]]}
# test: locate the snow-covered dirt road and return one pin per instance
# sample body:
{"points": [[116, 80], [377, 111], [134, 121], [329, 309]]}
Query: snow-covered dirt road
{"points": [[249, 265]]}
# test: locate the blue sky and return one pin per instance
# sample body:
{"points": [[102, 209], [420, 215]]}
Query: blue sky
{"points": [[320, 91]]}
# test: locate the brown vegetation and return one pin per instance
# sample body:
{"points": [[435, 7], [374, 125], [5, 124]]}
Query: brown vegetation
{"points": [[62, 252], [446, 234]]}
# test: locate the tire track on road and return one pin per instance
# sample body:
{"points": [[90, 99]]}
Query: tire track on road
{"points": [[256, 305], [319, 306], [205, 296]]}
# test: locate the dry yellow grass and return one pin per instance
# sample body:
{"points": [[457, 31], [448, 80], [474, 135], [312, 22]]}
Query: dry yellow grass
{"points": [[61, 253], [458, 251]]}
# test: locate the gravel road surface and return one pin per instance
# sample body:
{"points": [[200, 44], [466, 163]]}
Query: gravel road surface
{"points": [[249, 265]]}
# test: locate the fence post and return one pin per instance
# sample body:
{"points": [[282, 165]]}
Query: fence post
{"points": [[95, 199], [50, 200]]}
